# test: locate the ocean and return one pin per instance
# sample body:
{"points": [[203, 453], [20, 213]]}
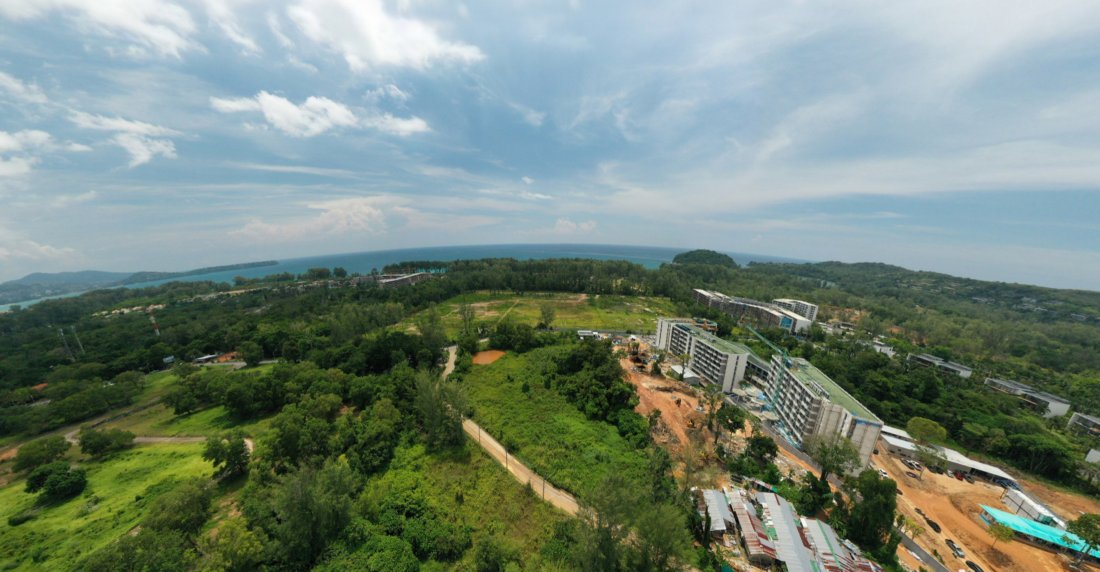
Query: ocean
{"points": [[364, 262]]}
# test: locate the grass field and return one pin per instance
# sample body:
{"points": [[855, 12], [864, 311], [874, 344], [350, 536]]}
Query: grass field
{"points": [[544, 430], [160, 421], [119, 490], [471, 489], [600, 312]]}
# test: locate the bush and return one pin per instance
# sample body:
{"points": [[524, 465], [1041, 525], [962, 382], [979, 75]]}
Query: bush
{"points": [[64, 485], [37, 479], [20, 518], [96, 443], [40, 452]]}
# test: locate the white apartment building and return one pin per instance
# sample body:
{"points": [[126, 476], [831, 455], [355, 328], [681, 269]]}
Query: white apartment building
{"points": [[718, 361], [800, 307], [809, 404]]}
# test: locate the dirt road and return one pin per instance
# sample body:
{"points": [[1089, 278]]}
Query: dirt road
{"points": [[524, 475], [953, 504]]}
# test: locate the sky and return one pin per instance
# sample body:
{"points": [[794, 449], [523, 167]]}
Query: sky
{"points": [[960, 137]]}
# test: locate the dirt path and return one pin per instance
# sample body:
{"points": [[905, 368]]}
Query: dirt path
{"points": [[452, 356], [953, 504], [524, 475]]}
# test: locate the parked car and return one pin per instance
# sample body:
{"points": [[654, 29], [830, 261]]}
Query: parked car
{"points": [[883, 473], [911, 474], [971, 565], [920, 512], [959, 475], [969, 478], [955, 548], [932, 524]]}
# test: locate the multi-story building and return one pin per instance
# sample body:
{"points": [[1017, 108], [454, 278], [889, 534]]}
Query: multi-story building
{"points": [[1047, 404], [1084, 424], [800, 307], [718, 361], [810, 404], [762, 313], [928, 360]]}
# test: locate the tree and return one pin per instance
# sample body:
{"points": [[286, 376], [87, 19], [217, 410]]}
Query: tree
{"points": [[661, 539], [927, 434], [234, 547], [252, 353], [731, 418], [761, 449], [871, 519], [439, 404], [96, 443], [712, 401], [60, 483], [228, 453], [547, 313], [183, 509], [340, 272], [1000, 532], [312, 506], [37, 478], [466, 313], [160, 550], [40, 452], [835, 453], [1087, 528]]}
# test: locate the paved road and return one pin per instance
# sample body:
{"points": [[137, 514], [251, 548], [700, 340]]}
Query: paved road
{"points": [[548, 492]]}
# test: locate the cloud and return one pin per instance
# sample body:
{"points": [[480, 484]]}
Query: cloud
{"points": [[28, 92], [221, 14], [388, 91], [15, 247], [566, 226], [527, 180], [163, 27], [296, 169], [360, 215], [315, 116], [19, 151], [63, 201], [143, 141], [369, 37]]}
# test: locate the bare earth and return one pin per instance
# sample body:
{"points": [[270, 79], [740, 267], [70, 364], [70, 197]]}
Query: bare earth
{"points": [[953, 504], [487, 357]]}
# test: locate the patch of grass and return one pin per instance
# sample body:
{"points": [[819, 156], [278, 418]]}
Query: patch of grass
{"points": [[160, 421], [599, 312], [119, 492], [471, 489], [545, 431]]}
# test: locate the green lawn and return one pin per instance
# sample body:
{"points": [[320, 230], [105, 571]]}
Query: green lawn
{"points": [[159, 421], [599, 312], [544, 430], [119, 491]]}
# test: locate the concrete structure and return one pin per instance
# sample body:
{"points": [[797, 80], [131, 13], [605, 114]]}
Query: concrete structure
{"points": [[588, 335], [810, 404], [956, 461], [802, 308], [761, 313], [779, 536], [393, 280], [1047, 404], [928, 360], [1041, 535], [1019, 503], [1084, 424], [720, 362], [1093, 456]]}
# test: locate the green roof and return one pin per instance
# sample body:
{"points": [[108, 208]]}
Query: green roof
{"points": [[1034, 529], [720, 344], [806, 373]]}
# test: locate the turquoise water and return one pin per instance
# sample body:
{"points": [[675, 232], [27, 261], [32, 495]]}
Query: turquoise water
{"points": [[364, 262]]}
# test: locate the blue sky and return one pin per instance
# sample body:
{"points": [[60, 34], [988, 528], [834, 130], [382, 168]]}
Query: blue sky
{"points": [[937, 135]]}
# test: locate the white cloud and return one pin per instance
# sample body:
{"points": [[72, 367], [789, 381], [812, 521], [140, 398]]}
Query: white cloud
{"points": [[566, 226], [23, 140], [361, 215], [163, 27], [527, 180], [63, 201], [143, 141], [15, 246], [18, 89], [368, 36], [16, 166], [19, 150], [277, 30], [221, 14], [388, 91], [102, 123], [316, 115], [143, 149], [296, 169]]}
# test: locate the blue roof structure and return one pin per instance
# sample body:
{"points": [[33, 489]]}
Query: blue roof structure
{"points": [[1040, 531]]}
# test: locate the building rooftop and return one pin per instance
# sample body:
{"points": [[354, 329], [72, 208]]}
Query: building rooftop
{"points": [[941, 362], [806, 373], [1086, 416], [720, 344], [1027, 389], [952, 456], [1038, 530]]}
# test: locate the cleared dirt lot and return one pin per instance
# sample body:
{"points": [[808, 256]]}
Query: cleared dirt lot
{"points": [[954, 505], [487, 357]]}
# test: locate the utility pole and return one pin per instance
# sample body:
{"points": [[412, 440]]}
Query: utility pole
{"points": [[68, 350], [78, 344]]}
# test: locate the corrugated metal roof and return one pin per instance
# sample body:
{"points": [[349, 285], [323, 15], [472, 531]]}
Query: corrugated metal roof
{"points": [[718, 509]]}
